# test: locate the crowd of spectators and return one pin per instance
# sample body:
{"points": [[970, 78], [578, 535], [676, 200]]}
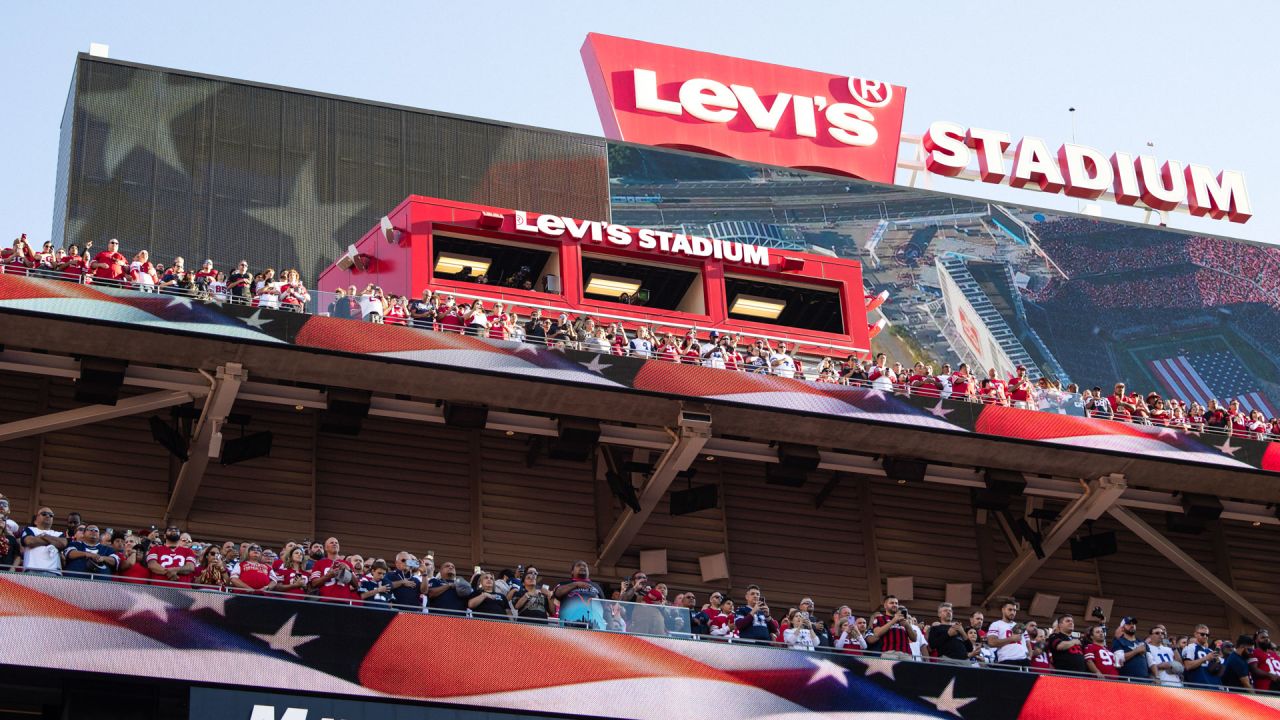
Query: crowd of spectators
{"points": [[408, 583], [444, 312], [113, 268]]}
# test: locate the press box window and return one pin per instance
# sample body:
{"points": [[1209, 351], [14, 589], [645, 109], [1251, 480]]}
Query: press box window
{"points": [[459, 259], [805, 307], [661, 287]]}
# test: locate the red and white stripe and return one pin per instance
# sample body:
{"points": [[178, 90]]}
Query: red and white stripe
{"points": [[1182, 380], [1255, 401]]}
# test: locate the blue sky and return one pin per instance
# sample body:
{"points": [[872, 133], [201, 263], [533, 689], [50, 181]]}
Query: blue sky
{"points": [[1196, 79]]}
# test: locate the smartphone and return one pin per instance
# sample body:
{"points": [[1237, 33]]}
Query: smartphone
{"points": [[546, 587], [476, 571]]}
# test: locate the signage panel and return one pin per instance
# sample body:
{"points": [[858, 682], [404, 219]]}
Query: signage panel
{"points": [[672, 97]]}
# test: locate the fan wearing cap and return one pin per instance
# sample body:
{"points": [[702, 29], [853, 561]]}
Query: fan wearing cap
{"points": [[251, 574], [1235, 668], [333, 575], [1264, 663], [1134, 651], [1019, 387]]}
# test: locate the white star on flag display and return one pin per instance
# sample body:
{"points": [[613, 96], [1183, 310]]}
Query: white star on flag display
{"points": [[153, 92]]}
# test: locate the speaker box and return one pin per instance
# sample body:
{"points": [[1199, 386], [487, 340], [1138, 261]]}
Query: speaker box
{"points": [[472, 417], [653, 562], [1093, 546], [100, 380], [1043, 605], [713, 567], [1201, 508], [169, 438], [253, 445], [695, 499], [904, 469], [904, 587], [345, 411], [576, 439], [800, 457]]}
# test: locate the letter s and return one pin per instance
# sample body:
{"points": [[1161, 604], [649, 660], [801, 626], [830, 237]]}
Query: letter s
{"points": [[852, 124]]}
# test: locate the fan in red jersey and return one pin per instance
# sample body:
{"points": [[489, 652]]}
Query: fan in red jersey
{"points": [[1264, 664], [251, 574], [1097, 657], [109, 264], [333, 575], [171, 562], [1019, 387], [290, 574]]}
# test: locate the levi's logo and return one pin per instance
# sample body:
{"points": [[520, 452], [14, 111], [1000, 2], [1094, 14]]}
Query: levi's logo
{"points": [[713, 101], [672, 97]]}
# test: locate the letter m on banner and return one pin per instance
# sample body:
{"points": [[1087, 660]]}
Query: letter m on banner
{"points": [[268, 712]]}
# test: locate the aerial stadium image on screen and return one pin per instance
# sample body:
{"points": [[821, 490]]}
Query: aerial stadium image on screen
{"points": [[325, 407]]}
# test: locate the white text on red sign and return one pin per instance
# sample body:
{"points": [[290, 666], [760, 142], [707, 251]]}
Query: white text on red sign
{"points": [[1085, 172], [660, 241]]}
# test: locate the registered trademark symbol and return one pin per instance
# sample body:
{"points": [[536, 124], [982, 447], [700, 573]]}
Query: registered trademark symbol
{"points": [[871, 93]]}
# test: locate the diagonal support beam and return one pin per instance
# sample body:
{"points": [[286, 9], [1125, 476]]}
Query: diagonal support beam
{"points": [[674, 459], [65, 419], [1099, 495], [206, 442], [1187, 564]]}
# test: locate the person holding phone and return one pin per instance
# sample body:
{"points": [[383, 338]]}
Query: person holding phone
{"points": [[892, 631], [531, 601], [754, 621], [1198, 658]]}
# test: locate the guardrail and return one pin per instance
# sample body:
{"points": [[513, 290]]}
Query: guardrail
{"points": [[649, 621], [1055, 401]]}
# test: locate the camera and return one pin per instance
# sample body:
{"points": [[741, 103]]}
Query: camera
{"points": [[1097, 613], [905, 612]]}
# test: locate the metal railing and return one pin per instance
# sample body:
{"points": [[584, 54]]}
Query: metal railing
{"points": [[1042, 400], [651, 621]]}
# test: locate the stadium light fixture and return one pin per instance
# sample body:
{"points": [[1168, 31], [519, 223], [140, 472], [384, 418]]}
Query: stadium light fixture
{"points": [[452, 264], [753, 306], [610, 286]]}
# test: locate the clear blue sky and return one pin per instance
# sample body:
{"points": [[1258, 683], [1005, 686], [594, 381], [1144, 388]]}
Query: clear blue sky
{"points": [[1197, 79]]}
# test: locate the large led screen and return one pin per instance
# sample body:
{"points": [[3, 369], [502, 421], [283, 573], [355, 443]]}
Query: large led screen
{"points": [[1079, 300], [265, 644]]}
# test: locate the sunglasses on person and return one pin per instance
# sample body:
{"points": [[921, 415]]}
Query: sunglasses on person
{"points": [[46, 514]]}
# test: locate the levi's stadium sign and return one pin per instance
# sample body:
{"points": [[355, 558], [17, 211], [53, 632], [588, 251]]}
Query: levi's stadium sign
{"points": [[1085, 172], [656, 241], [671, 97]]}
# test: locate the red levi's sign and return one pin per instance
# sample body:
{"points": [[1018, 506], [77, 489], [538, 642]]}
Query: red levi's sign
{"points": [[671, 97]]}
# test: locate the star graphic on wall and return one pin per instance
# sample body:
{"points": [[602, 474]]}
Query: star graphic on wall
{"points": [[827, 669], [146, 604], [939, 411], [595, 365], [1226, 447], [304, 200], [150, 91], [182, 300], [947, 701], [284, 640], [879, 666], [209, 600], [256, 321]]}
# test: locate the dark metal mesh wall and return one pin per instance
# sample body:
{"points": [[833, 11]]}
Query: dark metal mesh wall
{"points": [[197, 167]]}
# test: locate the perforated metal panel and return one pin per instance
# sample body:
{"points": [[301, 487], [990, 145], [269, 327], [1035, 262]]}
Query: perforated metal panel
{"points": [[200, 167]]}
